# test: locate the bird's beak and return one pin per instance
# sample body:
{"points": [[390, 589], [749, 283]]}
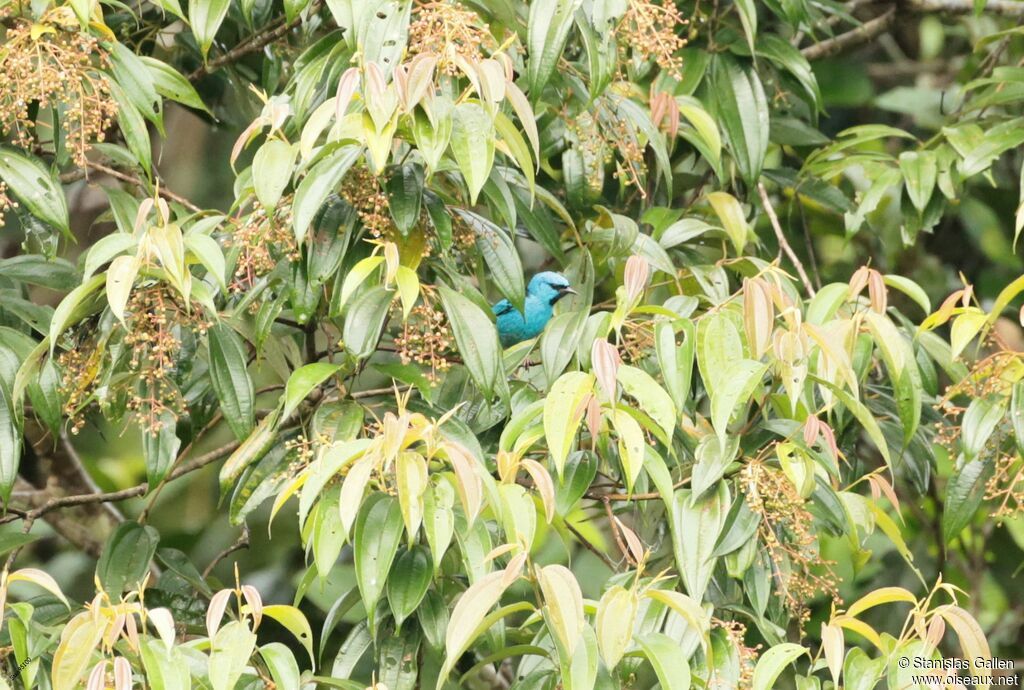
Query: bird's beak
{"points": [[567, 291]]}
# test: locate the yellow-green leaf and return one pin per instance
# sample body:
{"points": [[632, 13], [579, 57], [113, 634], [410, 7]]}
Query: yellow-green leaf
{"points": [[563, 413]]}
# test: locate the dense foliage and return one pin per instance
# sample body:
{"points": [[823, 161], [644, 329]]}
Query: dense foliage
{"points": [[263, 240]]}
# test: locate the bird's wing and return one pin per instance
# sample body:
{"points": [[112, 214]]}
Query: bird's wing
{"points": [[502, 307]]}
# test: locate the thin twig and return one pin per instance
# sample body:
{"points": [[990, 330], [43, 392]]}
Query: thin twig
{"points": [[241, 543], [76, 175], [255, 43], [808, 241], [652, 496], [615, 528], [1005, 8], [214, 420], [783, 244], [591, 548], [124, 494], [853, 38], [372, 392]]}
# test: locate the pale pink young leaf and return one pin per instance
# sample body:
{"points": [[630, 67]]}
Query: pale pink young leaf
{"points": [[215, 612], [122, 674], [97, 679]]}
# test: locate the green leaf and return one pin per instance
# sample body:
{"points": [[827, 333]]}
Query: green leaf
{"points": [[408, 584], [577, 476], [210, 255], [292, 8], [516, 145], [653, 399], [262, 481], [126, 556], [281, 663], [779, 51], [734, 222], [472, 144], [713, 456], [229, 377], [559, 340], [79, 638], [547, 31], [739, 379], [996, 141], [695, 530], [439, 519], [295, 622], [160, 448], [322, 179], [397, 667], [501, 257], [863, 415], [205, 18], [170, 83], [55, 274], [252, 449], [105, 249], [748, 18], [964, 493], [477, 340], [35, 187], [15, 540], [302, 382], [365, 321], [631, 446], [65, 312], [272, 170], [898, 354], [229, 654], [676, 362], [563, 605], [133, 127], [467, 616], [1017, 415], [663, 652], [705, 136], [405, 196], [133, 76], [616, 616], [10, 443], [920, 172], [742, 109], [378, 532], [911, 289], [120, 280], [979, 422], [772, 662], [166, 669]]}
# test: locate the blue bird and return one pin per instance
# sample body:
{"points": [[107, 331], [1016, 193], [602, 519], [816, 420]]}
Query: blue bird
{"points": [[544, 290]]}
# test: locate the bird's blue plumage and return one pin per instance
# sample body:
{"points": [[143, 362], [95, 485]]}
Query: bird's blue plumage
{"points": [[543, 291]]}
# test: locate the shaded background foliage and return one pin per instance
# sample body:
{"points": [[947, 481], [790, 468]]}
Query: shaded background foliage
{"points": [[637, 130]]}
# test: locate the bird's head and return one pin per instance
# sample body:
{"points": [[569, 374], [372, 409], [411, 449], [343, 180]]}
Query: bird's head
{"points": [[549, 287]]}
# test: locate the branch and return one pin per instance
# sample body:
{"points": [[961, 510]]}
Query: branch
{"points": [[255, 43], [60, 472], [1004, 8], [652, 496], [76, 175], [783, 244], [241, 543], [214, 420], [591, 548], [879, 25], [851, 39], [88, 499]]}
